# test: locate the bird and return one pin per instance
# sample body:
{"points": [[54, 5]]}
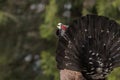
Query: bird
{"points": [[90, 45], [61, 29]]}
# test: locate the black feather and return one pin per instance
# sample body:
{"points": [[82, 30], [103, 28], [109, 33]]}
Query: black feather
{"points": [[91, 45]]}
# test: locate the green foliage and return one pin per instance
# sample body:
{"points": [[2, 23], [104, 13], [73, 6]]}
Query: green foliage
{"points": [[85, 11], [47, 29], [3, 59], [108, 8], [3, 18], [49, 65], [115, 74]]}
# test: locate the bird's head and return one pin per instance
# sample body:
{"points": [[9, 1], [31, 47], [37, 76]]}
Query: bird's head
{"points": [[59, 25]]}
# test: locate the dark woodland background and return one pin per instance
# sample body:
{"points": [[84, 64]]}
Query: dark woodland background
{"points": [[27, 34]]}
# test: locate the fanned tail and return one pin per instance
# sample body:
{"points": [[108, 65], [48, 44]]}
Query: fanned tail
{"points": [[91, 44]]}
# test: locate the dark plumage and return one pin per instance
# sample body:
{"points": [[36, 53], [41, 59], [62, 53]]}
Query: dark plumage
{"points": [[90, 45]]}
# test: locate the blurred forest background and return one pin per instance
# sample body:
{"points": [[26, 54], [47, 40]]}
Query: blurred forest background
{"points": [[27, 34]]}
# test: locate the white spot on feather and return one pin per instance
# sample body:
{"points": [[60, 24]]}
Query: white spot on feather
{"points": [[118, 48], [101, 64], [67, 57], [108, 31], [86, 30], [111, 68], [90, 36], [102, 30], [90, 62], [90, 73], [93, 53], [118, 40], [92, 68], [66, 51], [100, 59], [68, 64], [90, 51], [83, 45], [110, 64], [97, 54], [99, 70], [69, 44], [106, 70], [90, 58], [109, 58], [104, 44]]}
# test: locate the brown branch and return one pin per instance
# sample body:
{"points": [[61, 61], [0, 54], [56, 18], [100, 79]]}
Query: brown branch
{"points": [[70, 75]]}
